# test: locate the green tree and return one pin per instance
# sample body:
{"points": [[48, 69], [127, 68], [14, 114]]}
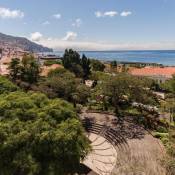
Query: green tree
{"points": [[27, 70], [85, 62], [77, 70], [71, 57], [116, 88], [72, 62], [124, 88], [169, 85], [63, 84], [170, 159], [6, 86], [39, 136], [114, 64], [59, 84], [81, 94], [30, 69], [15, 69], [97, 65]]}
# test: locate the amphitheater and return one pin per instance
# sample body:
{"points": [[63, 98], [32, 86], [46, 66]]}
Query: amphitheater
{"points": [[121, 148]]}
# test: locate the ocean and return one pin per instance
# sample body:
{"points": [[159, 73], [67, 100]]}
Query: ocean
{"points": [[165, 57]]}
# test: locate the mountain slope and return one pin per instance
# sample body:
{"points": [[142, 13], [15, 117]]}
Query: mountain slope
{"points": [[22, 43]]}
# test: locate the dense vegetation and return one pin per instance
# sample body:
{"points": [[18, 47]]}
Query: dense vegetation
{"points": [[6, 86], [26, 70], [79, 66], [169, 139], [40, 132], [38, 135], [125, 95], [97, 65], [63, 84], [169, 85]]}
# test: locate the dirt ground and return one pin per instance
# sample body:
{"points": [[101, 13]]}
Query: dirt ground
{"points": [[140, 153]]}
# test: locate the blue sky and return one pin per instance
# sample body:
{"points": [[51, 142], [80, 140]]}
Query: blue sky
{"points": [[92, 24]]}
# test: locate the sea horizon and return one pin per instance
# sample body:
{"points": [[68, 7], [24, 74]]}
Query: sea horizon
{"points": [[164, 57]]}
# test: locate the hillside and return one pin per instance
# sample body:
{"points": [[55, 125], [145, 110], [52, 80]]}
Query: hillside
{"points": [[7, 41]]}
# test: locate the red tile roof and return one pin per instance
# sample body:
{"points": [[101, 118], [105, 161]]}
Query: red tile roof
{"points": [[154, 71]]}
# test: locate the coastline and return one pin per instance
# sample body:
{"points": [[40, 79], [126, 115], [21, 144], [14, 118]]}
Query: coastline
{"points": [[162, 57]]}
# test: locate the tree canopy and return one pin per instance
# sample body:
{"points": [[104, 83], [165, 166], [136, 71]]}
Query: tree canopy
{"points": [[15, 69], [169, 85], [97, 65], [6, 86], [74, 63], [26, 70], [39, 136], [63, 84], [123, 88]]}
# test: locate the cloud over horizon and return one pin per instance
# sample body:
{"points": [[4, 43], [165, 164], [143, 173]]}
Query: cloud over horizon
{"points": [[69, 41]]}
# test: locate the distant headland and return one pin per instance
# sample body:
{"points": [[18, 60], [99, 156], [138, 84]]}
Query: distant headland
{"points": [[12, 45]]}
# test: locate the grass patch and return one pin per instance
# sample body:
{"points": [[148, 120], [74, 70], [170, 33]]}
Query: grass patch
{"points": [[51, 62]]}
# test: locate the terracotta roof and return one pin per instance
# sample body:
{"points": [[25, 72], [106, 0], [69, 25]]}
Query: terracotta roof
{"points": [[154, 71]]}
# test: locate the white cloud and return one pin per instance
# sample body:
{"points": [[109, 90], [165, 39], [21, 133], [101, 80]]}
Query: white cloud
{"points": [[111, 13], [57, 16], [59, 44], [7, 13], [126, 13], [69, 42], [70, 36], [46, 23], [77, 22], [36, 36], [99, 14]]}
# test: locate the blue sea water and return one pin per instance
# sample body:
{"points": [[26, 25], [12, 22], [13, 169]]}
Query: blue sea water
{"points": [[165, 57]]}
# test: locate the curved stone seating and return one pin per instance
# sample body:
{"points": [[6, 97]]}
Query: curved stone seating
{"points": [[108, 146], [112, 135], [93, 127], [102, 158], [125, 148]]}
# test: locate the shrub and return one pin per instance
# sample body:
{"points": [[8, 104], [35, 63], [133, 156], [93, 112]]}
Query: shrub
{"points": [[51, 62], [6, 86], [162, 129], [161, 135]]}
